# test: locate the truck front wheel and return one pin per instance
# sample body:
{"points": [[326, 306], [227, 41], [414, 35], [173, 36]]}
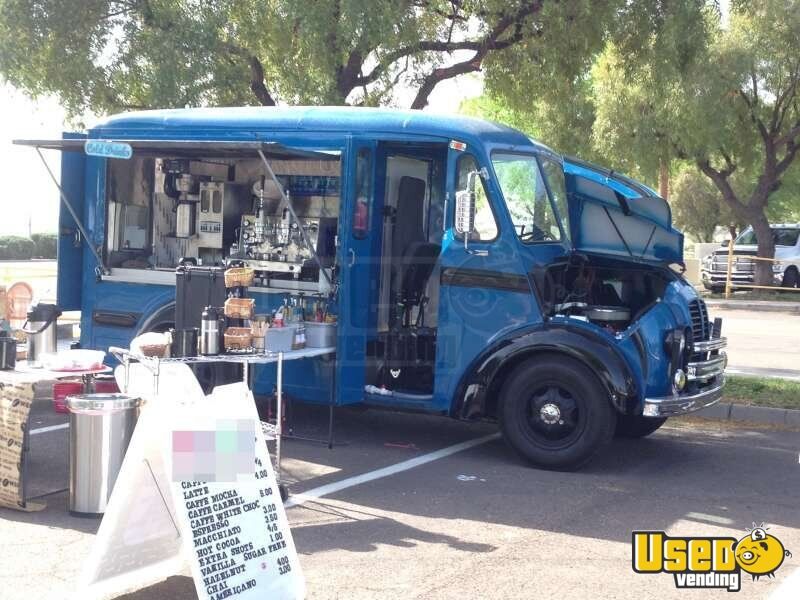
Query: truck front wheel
{"points": [[637, 426], [555, 413]]}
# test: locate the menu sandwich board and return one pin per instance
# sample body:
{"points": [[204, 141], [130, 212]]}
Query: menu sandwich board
{"points": [[234, 534]]}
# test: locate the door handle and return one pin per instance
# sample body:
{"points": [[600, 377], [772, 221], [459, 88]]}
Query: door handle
{"points": [[352, 257], [474, 252]]}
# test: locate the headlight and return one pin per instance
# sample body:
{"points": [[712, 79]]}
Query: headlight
{"points": [[679, 379], [708, 261]]}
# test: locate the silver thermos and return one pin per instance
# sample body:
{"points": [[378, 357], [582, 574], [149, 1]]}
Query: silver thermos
{"points": [[210, 331], [41, 329]]}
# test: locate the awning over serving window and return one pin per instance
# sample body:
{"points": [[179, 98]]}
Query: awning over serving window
{"points": [[188, 148]]}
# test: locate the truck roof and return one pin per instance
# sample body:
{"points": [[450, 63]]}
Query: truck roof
{"points": [[323, 119]]}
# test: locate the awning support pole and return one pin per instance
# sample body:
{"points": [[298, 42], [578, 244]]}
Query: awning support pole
{"points": [[288, 204], [75, 218]]}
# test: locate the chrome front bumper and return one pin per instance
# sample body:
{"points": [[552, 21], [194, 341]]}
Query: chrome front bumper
{"points": [[712, 368], [740, 277], [672, 406]]}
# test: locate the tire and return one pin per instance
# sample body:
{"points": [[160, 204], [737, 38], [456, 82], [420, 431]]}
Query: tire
{"points": [[555, 413], [791, 279], [637, 426]]}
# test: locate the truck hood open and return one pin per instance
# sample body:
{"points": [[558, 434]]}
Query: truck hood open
{"points": [[614, 215]]}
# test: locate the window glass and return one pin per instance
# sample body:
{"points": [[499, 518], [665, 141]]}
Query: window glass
{"points": [[786, 237], [129, 192], [782, 237], [554, 174], [363, 205], [526, 197], [485, 223]]}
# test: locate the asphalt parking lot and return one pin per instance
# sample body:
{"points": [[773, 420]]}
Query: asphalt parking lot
{"points": [[473, 521]]}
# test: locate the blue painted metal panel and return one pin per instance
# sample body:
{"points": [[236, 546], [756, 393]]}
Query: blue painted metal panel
{"points": [[358, 291], [599, 223], [70, 244], [472, 317], [285, 122]]}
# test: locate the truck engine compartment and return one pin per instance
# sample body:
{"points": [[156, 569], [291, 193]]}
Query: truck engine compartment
{"points": [[600, 290]]}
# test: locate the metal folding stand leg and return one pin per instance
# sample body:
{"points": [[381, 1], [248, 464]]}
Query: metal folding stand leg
{"points": [[282, 487]]}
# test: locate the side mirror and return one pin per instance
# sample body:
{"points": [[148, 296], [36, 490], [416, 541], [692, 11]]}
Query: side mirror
{"points": [[465, 209]]}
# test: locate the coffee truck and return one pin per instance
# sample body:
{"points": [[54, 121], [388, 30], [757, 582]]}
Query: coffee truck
{"points": [[474, 272]]}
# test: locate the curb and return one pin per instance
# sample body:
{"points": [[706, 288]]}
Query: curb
{"points": [[728, 411], [758, 305]]}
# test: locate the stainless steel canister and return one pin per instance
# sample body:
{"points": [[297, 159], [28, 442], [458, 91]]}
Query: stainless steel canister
{"points": [[101, 426], [42, 331], [211, 331]]}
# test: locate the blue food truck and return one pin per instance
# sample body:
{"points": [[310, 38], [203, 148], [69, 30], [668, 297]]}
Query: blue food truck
{"points": [[474, 272]]}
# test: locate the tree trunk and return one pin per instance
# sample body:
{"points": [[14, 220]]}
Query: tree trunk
{"points": [[663, 178], [766, 249]]}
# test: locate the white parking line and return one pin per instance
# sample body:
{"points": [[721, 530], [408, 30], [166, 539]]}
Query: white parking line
{"points": [[336, 486], [51, 428]]}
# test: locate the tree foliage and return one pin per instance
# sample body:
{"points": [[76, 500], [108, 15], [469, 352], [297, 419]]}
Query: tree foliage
{"points": [[674, 82], [732, 108], [107, 55], [697, 206]]}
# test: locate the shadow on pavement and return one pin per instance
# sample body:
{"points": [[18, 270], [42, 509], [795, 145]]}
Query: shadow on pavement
{"points": [[726, 478]]}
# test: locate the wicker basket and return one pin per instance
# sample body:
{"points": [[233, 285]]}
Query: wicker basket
{"points": [[238, 338], [239, 308], [238, 277]]}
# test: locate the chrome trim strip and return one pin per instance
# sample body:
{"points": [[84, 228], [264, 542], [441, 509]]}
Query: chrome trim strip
{"points": [[710, 345], [672, 406], [706, 369]]}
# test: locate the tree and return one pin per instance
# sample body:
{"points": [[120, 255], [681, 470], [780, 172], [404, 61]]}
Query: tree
{"points": [[107, 55], [550, 89], [732, 108], [697, 206]]}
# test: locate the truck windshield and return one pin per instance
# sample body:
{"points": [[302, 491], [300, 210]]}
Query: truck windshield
{"points": [[536, 216], [783, 237]]}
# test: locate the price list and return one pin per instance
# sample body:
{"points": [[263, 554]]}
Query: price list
{"points": [[239, 537]]}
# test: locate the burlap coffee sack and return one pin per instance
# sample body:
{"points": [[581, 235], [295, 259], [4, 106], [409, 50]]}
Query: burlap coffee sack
{"points": [[15, 404]]}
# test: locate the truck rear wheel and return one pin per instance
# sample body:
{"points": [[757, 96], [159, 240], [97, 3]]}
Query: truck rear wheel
{"points": [[555, 413], [637, 426]]}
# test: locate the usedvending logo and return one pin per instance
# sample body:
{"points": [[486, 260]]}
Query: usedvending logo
{"points": [[709, 562]]}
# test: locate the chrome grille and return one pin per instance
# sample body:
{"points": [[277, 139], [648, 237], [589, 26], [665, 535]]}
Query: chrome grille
{"points": [[701, 328]]}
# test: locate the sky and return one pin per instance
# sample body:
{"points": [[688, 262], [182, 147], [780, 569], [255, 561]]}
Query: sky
{"points": [[31, 199]]}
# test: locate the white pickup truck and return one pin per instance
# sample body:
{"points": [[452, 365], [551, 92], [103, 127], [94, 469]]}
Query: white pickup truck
{"points": [[786, 271]]}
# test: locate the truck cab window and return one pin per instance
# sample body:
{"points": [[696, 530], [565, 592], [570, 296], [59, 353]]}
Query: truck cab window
{"points": [[554, 175], [485, 222], [363, 185], [526, 197]]}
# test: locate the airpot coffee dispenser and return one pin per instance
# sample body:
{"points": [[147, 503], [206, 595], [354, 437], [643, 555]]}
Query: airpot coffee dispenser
{"points": [[41, 329]]}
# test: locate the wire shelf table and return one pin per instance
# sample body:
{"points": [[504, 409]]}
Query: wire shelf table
{"points": [[153, 364]]}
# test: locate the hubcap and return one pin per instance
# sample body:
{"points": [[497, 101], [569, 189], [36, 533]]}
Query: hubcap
{"points": [[550, 413]]}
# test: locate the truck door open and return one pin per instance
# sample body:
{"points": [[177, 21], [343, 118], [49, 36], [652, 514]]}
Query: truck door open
{"points": [[70, 246], [360, 233]]}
